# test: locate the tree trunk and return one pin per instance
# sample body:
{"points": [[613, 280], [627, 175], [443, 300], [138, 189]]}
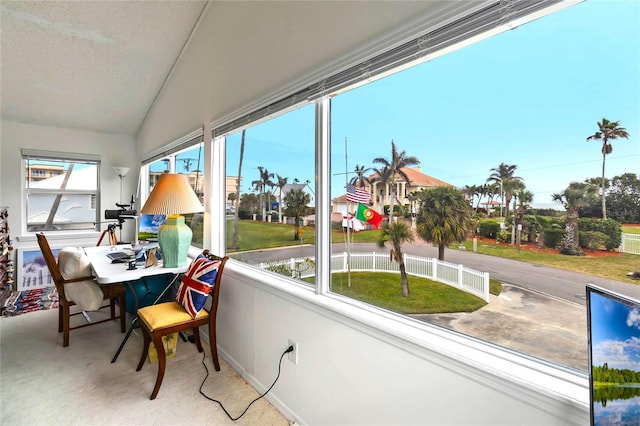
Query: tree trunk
{"points": [[234, 243], [403, 278], [441, 252], [604, 199]]}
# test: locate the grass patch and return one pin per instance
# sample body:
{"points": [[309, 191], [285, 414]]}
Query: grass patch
{"points": [[383, 290], [614, 267], [631, 229]]}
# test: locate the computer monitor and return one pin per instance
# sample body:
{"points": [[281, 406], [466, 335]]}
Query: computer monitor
{"points": [[613, 323]]}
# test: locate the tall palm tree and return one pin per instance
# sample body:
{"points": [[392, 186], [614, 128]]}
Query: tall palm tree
{"points": [[398, 161], [383, 177], [576, 195], [261, 186], [296, 201], [282, 181], [607, 131], [444, 216], [397, 233], [503, 175], [360, 179], [234, 243]]}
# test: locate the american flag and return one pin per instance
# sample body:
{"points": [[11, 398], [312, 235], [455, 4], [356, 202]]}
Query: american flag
{"points": [[355, 194]]}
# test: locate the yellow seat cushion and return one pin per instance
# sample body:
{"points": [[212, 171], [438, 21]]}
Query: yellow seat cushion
{"points": [[166, 314]]}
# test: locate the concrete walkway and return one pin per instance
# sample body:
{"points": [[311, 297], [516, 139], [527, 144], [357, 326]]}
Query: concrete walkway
{"points": [[526, 321]]}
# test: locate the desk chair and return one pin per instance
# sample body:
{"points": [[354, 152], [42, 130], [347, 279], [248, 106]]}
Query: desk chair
{"points": [[159, 320], [111, 292]]}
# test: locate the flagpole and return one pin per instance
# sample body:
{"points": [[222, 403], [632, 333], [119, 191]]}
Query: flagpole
{"points": [[346, 182]]}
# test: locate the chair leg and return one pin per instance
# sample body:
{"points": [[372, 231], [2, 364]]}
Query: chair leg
{"points": [[214, 346], [65, 324], [60, 315], [196, 337], [145, 348], [112, 307], [162, 363], [123, 314]]}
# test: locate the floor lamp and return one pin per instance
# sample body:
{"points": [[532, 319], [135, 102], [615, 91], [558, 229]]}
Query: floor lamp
{"points": [[172, 196]]}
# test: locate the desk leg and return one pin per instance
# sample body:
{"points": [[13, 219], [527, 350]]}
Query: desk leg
{"points": [[135, 320], [124, 341]]}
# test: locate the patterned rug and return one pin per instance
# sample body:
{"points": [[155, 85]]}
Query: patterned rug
{"points": [[22, 302]]}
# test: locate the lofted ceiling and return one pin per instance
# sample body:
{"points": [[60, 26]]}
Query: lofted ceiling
{"points": [[90, 65]]}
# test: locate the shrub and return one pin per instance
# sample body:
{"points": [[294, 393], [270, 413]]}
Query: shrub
{"points": [[504, 237], [489, 229], [593, 240], [610, 227], [553, 237]]}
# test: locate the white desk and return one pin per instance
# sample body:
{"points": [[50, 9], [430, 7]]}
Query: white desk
{"points": [[108, 273]]}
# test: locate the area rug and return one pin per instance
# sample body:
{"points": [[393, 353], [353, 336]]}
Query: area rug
{"points": [[22, 302]]}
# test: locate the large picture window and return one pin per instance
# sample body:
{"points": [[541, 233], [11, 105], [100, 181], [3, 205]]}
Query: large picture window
{"points": [[61, 191], [411, 182], [270, 194], [188, 159]]}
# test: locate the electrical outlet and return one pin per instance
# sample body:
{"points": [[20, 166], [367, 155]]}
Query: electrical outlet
{"points": [[293, 356]]}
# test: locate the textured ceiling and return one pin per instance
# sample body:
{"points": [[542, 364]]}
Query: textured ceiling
{"points": [[91, 65]]}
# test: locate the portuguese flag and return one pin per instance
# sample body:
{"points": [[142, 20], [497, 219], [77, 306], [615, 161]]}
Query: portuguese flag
{"points": [[365, 214]]}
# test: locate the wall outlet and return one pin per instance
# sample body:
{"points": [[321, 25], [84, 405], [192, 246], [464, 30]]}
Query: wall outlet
{"points": [[293, 356]]}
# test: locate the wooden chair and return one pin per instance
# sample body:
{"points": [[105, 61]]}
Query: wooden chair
{"points": [[111, 292], [166, 318]]}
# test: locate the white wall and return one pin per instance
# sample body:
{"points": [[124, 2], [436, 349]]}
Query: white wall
{"points": [[351, 372], [114, 150]]}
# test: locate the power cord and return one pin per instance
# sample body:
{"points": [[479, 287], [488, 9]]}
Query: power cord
{"points": [[289, 349]]}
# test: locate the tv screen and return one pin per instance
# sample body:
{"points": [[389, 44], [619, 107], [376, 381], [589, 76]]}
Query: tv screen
{"points": [[613, 322]]}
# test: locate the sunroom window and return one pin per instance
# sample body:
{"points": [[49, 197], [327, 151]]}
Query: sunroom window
{"points": [[61, 191]]}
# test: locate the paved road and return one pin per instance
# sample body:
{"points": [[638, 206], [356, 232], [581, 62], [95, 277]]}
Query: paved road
{"points": [[569, 286], [540, 312]]}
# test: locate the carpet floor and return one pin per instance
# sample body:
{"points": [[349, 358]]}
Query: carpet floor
{"points": [[43, 383]]}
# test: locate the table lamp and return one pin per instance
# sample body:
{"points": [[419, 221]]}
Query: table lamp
{"points": [[172, 196]]}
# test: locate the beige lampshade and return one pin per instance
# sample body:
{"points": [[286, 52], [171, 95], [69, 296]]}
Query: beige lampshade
{"points": [[172, 194]]}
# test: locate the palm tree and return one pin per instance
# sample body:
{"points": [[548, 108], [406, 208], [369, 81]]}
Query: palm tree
{"points": [[444, 216], [503, 175], [234, 243], [282, 181], [296, 201], [607, 131], [382, 176], [398, 161], [261, 185], [397, 233], [576, 195], [360, 179]]}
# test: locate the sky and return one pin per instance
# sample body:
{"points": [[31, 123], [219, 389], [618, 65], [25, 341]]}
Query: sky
{"points": [[615, 332], [528, 97]]}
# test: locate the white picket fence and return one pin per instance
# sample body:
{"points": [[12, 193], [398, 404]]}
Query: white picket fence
{"points": [[459, 276], [630, 244]]}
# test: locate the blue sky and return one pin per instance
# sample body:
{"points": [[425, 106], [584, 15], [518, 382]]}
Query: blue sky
{"points": [[528, 97], [615, 333]]}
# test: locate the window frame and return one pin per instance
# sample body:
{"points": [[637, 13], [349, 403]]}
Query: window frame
{"points": [[28, 155]]}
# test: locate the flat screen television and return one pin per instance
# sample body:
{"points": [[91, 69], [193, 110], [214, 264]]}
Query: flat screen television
{"points": [[613, 323]]}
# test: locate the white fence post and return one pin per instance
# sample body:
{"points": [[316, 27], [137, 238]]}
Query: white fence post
{"points": [[460, 275], [486, 287]]}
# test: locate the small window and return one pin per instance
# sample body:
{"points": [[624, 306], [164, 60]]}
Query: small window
{"points": [[61, 194]]}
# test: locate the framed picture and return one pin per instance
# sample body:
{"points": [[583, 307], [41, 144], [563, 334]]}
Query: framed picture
{"points": [[32, 269], [149, 225]]}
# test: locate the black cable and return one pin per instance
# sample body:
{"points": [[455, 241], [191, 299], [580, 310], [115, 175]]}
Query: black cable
{"points": [[204, 355]]}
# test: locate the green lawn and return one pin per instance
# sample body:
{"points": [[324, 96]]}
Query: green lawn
{"points": [[427, 297]]}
